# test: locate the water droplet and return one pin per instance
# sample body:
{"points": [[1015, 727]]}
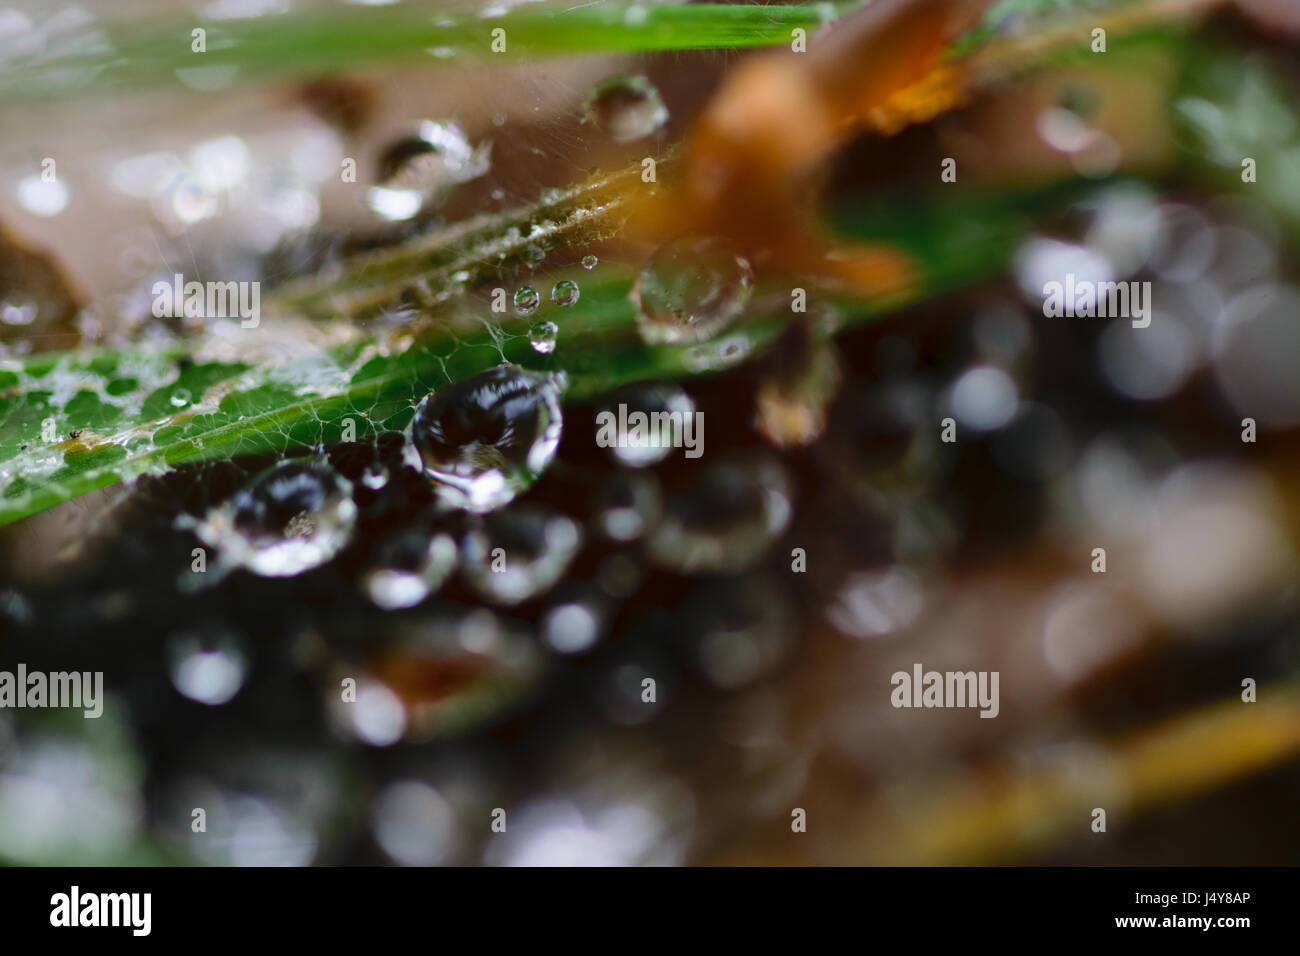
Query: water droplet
{"points": [[626, 108], [408, 567], [565, 292], [414, 824], [527, 299], [793, 403], [420, 169], [430, 676], [573, 623], [542, 337], [292, 517], [485, 439], [690, 290], [519, 554], [589, 262], [207, 665], [180, 397], [628, 504], [638, 447], [41, 196], [18, 311], [725, 521], [737, 630]]}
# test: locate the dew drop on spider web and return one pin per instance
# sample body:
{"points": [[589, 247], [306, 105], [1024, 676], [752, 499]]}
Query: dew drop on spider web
{"points": [[626, 108], [485, 439], [519, 553], [640, 445], [542, 337], [294, 516], [690, 290], [527, 299], [420, 169], [407, 567], [208, 664], [725, 521], [565, 292]]}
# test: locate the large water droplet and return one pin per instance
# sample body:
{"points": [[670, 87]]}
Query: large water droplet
{"points": [[737, 630], [207, 665], [626, 108], [408, 567], [486, 438], [690, 290], [292, 517], [519, 554], [628, 504], [419, 169], [542, 337], [725, 521], [527, 299], [642, 442], [565, 292]]}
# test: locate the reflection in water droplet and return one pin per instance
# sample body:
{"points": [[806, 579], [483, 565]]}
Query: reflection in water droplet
{"points": [[589, 262], [542, 337], [486, 438], [207, 665], [519, 554], [527, 299], [292, 517], [626, 108], [690, 290], [725, 521], [565, 292], [421, 168], [408, 567]]}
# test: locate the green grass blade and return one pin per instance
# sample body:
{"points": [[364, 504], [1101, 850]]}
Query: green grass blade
{"points": [[311, 42]]}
